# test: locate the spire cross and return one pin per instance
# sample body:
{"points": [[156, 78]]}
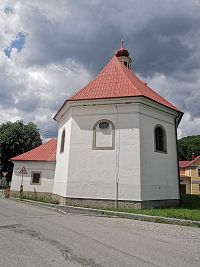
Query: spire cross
{"points": [[122, 42]]}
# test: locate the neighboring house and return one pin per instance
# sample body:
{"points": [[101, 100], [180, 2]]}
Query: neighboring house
{"points": [[190, 176], [40, 166], [117, 142]]}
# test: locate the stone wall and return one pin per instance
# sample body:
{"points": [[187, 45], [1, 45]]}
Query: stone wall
{"points": [[104, 203]]}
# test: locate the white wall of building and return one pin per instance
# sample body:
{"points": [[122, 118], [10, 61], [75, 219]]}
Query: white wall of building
{"points": [[61, 170], [159, 172], [47, 170], [84, 172], [92, 173]]}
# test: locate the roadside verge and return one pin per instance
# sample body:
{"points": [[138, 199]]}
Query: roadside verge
{"points": [[108, 213]]}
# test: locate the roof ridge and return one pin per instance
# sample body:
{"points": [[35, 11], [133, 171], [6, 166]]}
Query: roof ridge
{"points": [[194, 160], [151, 91], [125, 70], [92, 81]]}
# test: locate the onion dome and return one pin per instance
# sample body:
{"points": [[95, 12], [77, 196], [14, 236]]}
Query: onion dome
{"points": [[122, 52]]}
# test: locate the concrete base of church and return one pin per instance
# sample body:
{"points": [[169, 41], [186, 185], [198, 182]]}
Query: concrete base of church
{"points": [[104, 203], [107, 203]]}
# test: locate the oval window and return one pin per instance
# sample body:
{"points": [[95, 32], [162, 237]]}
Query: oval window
{"points": [[104, 125]]}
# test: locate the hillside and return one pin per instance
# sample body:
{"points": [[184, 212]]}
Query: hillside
{"points": [[187, 146]]}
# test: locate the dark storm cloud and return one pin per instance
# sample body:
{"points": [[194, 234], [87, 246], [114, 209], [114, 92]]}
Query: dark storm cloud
{"points": [[161, 47], [163, 38], [6, 91], [92, 32]]}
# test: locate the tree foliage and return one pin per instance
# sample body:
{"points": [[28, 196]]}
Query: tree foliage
{"points": [[187, 146], [17, 138]]}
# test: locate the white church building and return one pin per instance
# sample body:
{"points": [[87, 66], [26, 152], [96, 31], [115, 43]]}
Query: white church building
{"points": [[117, 143]]}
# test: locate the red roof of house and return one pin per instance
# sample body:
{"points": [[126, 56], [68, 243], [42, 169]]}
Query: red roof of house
{"points": [[117, 81], [187, 163], [183, 163], [44, 152]]}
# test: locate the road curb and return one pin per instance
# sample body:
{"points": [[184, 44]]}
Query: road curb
{"points": [[118, 214]]}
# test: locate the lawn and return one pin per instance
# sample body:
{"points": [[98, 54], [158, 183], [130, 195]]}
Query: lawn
{"points": [[189, 210]]}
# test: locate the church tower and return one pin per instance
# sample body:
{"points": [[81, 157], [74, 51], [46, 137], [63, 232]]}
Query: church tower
{"points": [[123, 55], [117, 142]]}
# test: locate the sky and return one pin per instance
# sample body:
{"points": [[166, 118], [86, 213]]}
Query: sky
{"points": [[49, 49]]}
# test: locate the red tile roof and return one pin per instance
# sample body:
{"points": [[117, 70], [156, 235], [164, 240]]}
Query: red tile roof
{"points": [[188, 163], [183, 163], [117, 81], [44, 152]]}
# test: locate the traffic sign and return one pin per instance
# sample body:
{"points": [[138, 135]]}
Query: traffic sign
{"points": [[23, 170]]}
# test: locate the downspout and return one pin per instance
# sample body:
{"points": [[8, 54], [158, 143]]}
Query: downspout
{"points": [[117, 162], [177, 120]]}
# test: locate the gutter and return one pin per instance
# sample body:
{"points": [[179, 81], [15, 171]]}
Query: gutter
{"points": [[177, 121]]}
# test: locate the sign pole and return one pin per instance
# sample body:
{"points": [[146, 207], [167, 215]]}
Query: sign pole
{"points": [[21, 186], [22, 171]]}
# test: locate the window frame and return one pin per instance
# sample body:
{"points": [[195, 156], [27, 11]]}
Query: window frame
{"points": [[94, 147], [62, 142], [36, 172], [164, 139]]}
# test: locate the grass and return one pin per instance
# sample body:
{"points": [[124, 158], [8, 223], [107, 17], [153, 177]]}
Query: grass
{"points": [[189, 210]]}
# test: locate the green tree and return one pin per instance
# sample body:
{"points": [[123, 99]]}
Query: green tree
{"points": [[187, 146], [17, 138]]}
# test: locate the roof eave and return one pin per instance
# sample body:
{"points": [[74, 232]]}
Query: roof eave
{"points": [[32, 160], [93, 101]]}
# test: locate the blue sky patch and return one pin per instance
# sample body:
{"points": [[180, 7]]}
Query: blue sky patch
{"points": [[18, 43]]}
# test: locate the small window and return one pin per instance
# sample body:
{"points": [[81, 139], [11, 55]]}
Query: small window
{"points": [[35, 177], [104, 135], [62, 145], [104, 125], [199, 172], [160, 139]]}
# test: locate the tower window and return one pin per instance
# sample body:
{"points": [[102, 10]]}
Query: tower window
{"points": [[160, 139], [62, 144]]}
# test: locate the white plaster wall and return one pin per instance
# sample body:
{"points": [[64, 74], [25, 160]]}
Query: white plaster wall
{"points": [[61, 171], [144, 174], [47, 170], [159, 173], [92, 173]]}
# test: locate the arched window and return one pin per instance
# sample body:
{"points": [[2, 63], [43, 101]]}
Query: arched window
{"points": [[62, 144], [104, 135], [160, 139]]}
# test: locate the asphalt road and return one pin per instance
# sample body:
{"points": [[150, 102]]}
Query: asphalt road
{"points": [[35, 236]]}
